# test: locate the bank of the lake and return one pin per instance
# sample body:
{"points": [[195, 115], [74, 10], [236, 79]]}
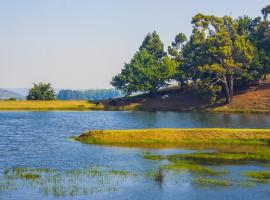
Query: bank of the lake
{"points": [[48, 105], [176, 136], [254, 99]]}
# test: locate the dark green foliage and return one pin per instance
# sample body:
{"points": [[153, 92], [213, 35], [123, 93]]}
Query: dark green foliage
{"points": [[207, 92], [148, 71], [98, 94], [41, 91]]}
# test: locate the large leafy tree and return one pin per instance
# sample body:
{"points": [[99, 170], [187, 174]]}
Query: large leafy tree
{"points": [[149, 69], [216, 52], [41, 91]]}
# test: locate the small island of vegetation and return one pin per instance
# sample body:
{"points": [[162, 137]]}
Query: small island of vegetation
{"points": [[176, 136]]}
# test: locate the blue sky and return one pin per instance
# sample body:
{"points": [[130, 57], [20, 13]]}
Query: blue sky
{"points": [[81, 44]]}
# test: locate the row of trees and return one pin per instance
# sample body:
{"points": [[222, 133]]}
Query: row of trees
{"points": [[44, 91], [97, 94], [222, 54]]}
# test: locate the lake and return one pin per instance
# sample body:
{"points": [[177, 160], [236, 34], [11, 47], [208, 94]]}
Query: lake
{"points": [[39, 143]]}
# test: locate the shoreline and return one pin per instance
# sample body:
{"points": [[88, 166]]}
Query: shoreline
{"points": [[83, 105]]}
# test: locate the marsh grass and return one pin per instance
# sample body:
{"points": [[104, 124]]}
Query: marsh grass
{"points": [[259, 176], [220, 158], [86, 181], [149, 156], [209, 182], [194, 168], [159, 175]]}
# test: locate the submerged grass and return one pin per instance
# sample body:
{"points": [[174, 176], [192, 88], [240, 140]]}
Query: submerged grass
{"points": [[259, 176], [194, 168], [86, 181], [209, 182], [223, 158]]}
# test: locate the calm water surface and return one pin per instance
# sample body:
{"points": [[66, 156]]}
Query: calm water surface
{"points": [[41, 140]]}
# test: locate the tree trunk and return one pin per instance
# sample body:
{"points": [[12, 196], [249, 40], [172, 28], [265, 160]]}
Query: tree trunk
{"points": [[227, 90], [231, 87]]}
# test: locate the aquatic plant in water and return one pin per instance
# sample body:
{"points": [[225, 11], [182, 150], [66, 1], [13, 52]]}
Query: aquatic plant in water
{"points": [[87, 181]]}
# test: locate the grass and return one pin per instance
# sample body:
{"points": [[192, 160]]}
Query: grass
{"points": [[159, 176], [29, 176], [221, 158], [87, 181], [193, 168], [259, 176], [153, 157], [49, 105], [176, 136], [209, 182]]}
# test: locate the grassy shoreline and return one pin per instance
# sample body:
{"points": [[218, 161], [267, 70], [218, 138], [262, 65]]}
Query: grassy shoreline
{"points": [[7, 105], [176, 136], [82, 105]]}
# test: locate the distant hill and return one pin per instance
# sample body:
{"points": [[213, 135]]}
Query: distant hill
{"points": [[20, 91], [24, 91], [6, 94]]}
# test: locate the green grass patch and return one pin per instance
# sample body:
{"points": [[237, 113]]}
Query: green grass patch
{"points": [[29, 176], [209, 182], [217, 158], [259, 176], [153, 157], [194, 168]]}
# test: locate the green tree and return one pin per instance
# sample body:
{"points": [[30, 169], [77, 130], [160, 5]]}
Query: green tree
{"points": [[216, 52], [149, 69], [153, 45], [41, 91], [175, 51]]}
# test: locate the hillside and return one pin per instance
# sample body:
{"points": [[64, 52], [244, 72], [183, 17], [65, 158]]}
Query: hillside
{"points": [[253, 99], [6, 94]]}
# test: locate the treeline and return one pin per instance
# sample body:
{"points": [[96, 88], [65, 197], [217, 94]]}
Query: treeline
{"points": [[222, 54], [97, 94]]}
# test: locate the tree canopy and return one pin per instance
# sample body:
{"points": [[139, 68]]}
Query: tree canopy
{"points": [[149, 70], [221, 54], [41, 91]]}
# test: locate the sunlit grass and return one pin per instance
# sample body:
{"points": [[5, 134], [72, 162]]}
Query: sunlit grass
{"points": [[49, 105], [259, 176], [176, 136]]}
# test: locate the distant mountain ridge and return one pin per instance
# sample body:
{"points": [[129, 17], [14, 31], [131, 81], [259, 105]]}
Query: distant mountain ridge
{"points": [[6, 94]]}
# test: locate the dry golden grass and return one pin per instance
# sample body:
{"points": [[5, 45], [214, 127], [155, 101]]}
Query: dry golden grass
{"points": [[255, 99], [49, 105], [177, 136]]}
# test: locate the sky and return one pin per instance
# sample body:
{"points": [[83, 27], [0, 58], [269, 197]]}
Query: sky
{"points": [[82, 44]]}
